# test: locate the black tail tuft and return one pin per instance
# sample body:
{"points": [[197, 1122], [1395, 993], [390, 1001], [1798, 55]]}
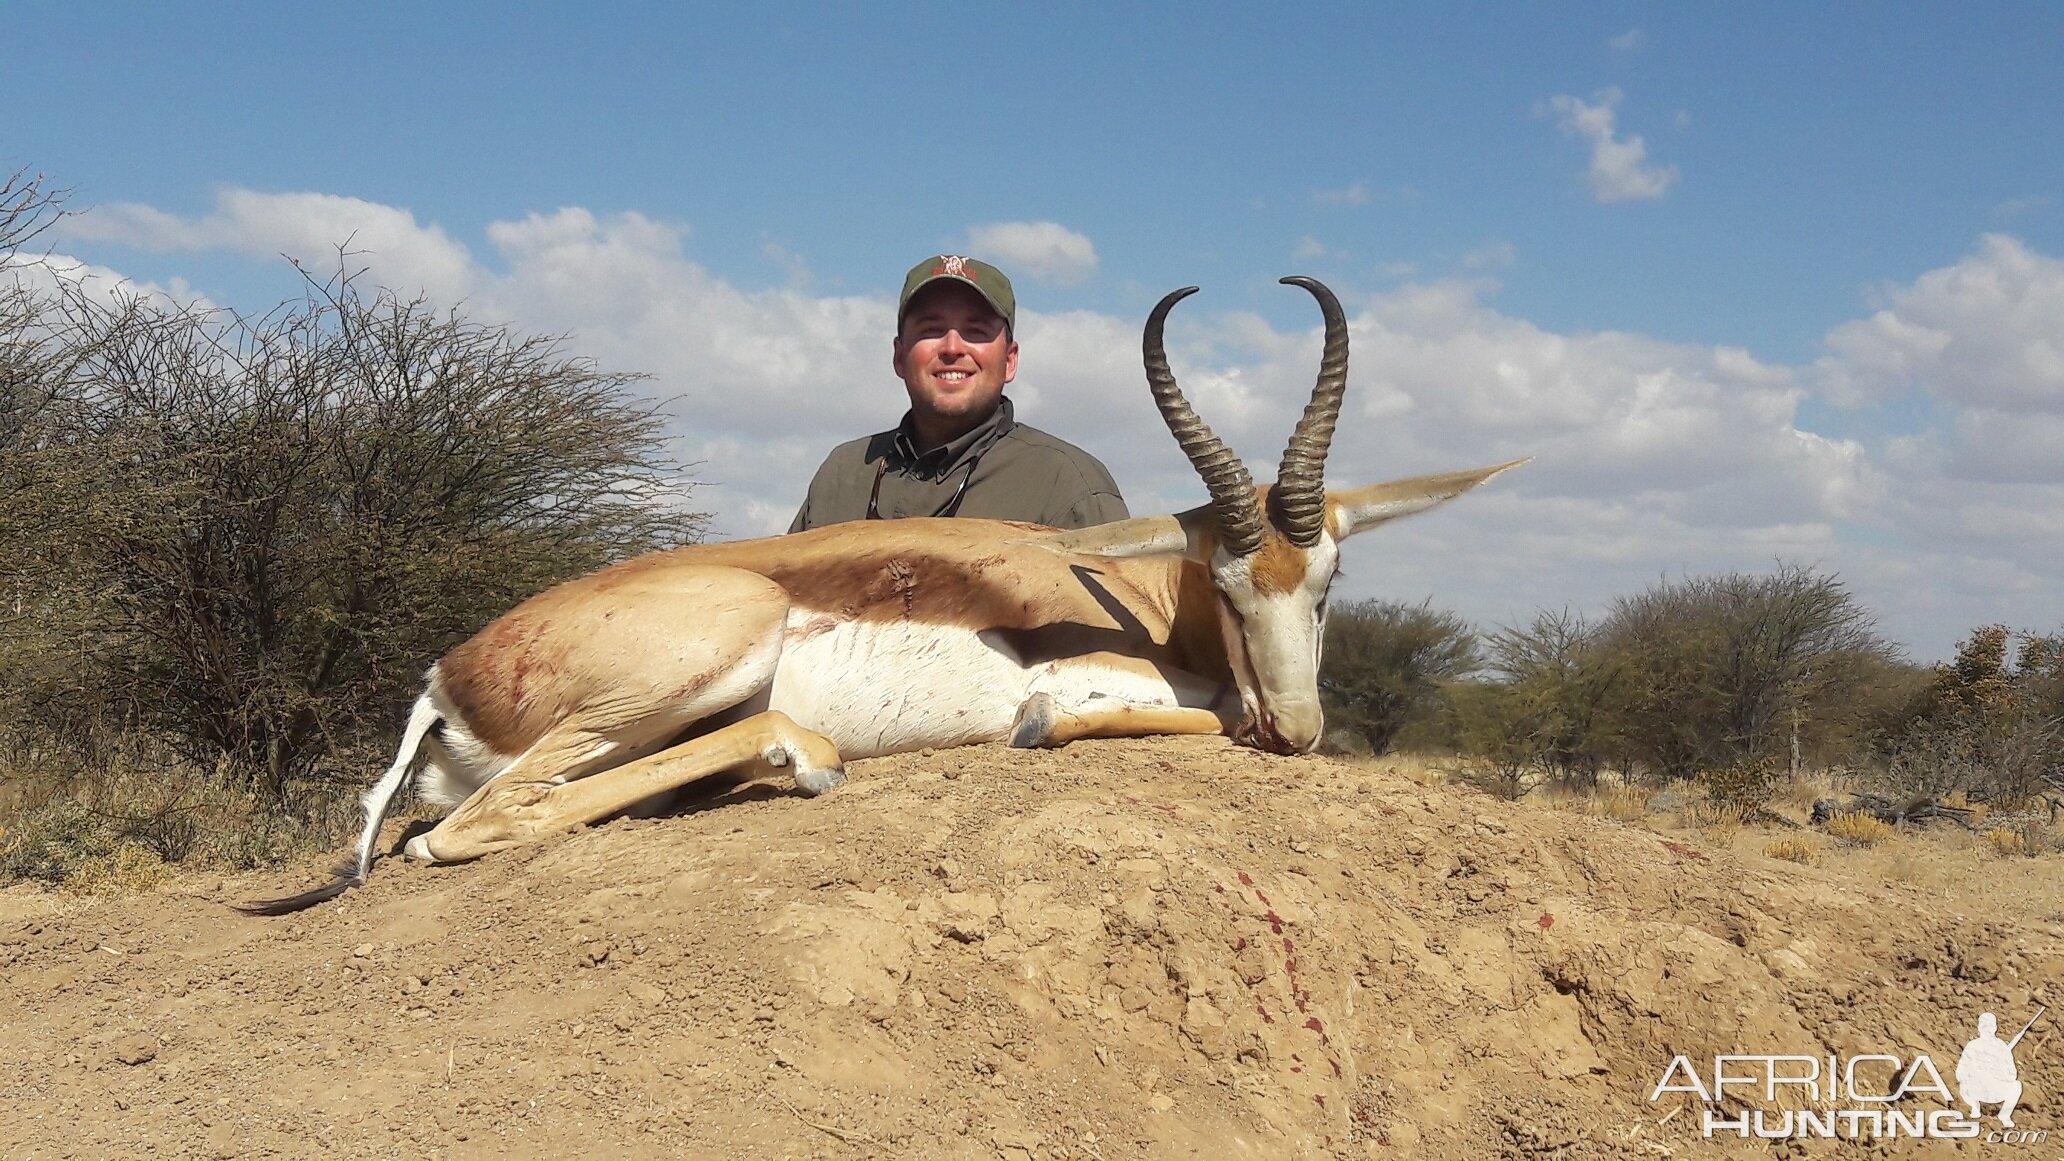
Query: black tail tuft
{"points": [[347, 877]]}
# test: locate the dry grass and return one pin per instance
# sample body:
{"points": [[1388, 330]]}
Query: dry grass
{"points": [[1606, 800], [2012, 870], [1622, 803], [1793, 850], [1859, 829], [132, 820], [1796, 796], [1956, 866], [128, 870], [2025, 836], [2008, 843], [1420, 769], [1719, 820]]}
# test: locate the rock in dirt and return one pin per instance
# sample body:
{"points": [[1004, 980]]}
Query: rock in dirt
{"points": [[134, 1050]]}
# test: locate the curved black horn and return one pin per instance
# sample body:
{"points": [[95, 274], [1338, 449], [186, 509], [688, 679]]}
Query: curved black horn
{"points": [[1232, 488], [1299, 499]]}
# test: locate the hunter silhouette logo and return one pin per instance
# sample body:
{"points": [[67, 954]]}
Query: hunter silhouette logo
{"points": [[1865, 1095], [1985, 1072]]}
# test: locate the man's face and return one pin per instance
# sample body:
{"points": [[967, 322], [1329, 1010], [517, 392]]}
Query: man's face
{"points": [[954, 354]]}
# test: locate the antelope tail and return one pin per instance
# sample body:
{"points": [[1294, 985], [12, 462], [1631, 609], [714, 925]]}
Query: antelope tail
{"points": [[377, 802]]}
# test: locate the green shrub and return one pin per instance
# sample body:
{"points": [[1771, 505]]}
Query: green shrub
{"points": [[1385, 663]]}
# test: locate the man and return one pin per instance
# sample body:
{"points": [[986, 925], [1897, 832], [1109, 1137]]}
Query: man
{"points": [[959, 450]]}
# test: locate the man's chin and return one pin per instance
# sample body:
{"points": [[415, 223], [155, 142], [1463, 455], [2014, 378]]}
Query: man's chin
{"points": [[958, 406]]}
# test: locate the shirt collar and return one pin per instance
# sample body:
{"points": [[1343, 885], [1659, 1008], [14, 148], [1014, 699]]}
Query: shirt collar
{"points": [[939, 461]]}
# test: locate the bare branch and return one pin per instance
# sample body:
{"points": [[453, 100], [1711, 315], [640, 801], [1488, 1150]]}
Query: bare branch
{"points": [[29, 205]]}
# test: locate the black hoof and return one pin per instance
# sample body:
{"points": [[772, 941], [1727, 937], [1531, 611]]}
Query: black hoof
{"points": [[816, 782], [1035, 723]]}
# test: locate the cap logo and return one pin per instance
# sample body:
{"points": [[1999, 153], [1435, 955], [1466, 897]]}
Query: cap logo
{"points": [[955, 265]]}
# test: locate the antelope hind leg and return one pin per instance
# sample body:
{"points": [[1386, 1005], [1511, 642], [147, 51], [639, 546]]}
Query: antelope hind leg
{"points": [[507, 812]]}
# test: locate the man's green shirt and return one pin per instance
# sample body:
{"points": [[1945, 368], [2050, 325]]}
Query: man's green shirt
{"points": [[1011, 472]]}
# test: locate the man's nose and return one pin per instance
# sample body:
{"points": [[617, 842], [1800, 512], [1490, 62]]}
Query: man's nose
{"points": [[952, 343]]}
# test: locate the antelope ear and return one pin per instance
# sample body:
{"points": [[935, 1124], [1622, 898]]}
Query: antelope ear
{"points": [[1361, 509], [1190, 533]]}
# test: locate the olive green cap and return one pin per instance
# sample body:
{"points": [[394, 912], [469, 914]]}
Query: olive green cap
{"points": [[983, 277]]}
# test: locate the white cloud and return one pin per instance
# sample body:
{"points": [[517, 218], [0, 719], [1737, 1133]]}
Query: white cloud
{"points": [[309, 227], [2007, 447], [1354, 195], [2021, 207], [1982, 333], [791, 263], [1711, 427], [1972, 353], [1491, 256], [1628, 41], [1972, 350], [1310, 249], [1619, 165], [41, 274], [624, 287], [131, 224], [1045, 250]]}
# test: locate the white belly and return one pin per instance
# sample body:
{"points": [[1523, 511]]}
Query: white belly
{"points": [[891, 687]]}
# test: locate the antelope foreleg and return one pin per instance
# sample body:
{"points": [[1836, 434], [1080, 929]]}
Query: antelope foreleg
{"points": [[506, 812], [1042, 722], [1109, 695]]}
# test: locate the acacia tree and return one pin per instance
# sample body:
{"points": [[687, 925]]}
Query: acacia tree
{"points": [[1551, 710], [34, 482], [28, 206], [1384, 664], [267, 527], [1716, 670], [1990, 723]]}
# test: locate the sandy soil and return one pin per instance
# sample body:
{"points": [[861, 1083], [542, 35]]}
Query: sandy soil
{"points": [[1160, 948]]}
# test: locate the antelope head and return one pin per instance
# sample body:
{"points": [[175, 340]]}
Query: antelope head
{"points": [[1272, 552]]}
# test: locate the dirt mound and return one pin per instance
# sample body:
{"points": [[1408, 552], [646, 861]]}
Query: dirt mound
{"points": [[1162, 948]]}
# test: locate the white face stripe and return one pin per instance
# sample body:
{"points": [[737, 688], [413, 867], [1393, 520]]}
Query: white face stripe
{"points": [[1274, 640]]}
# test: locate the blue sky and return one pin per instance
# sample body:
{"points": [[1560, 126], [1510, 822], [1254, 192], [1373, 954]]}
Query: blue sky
{"points": [[1750, 280]]}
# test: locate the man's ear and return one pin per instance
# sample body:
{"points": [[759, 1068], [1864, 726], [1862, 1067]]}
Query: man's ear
{"points": [[896, 353], [1010, 362]]}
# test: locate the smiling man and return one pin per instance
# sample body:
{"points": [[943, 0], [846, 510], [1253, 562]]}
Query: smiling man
{"points": [[959, 450]]}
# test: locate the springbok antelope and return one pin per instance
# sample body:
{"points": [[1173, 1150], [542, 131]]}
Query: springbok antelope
{"points": [[882, 637]]}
